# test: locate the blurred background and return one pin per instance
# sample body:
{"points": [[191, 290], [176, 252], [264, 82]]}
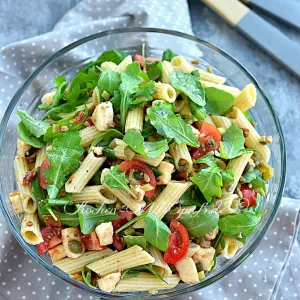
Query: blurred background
{"points": [[23, 19]]}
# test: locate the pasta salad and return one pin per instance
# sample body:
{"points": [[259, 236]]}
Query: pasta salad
{"points": [[141, 172]]}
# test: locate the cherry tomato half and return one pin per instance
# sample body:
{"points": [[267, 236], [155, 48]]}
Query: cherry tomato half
{"points": [[52, 237], [209, 139], [139, 166], [42, 180], [249, 195], [140, 60], [178, 243]]}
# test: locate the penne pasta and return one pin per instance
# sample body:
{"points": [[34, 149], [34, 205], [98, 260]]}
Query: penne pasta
{"points": [[164, 92], [121, 67], [230, 89], [182, 157], [88, 135], [167, 70], [129, 258], [41, 156], [30, 229], [135, 119], [159, 265], [247, 98]]}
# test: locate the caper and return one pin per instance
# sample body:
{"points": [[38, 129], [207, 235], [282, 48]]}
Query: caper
{"points": [[75, 246]]}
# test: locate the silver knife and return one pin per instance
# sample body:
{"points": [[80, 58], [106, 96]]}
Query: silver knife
{"points": [[269, 38]]}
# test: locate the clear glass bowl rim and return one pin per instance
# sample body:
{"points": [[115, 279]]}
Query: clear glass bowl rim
{"points": [[167, 293]]}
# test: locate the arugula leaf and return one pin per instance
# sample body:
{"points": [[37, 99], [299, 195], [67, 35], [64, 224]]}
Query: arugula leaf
{"points": [[156, 232], [198, 111], [200, 222], [116, 101], [64, 160], [191, 197], [135, 271], [189, 85], [209, 160], [209, 181], [90, 217], [218, 101], [109, 153], [168, 124], [116, 179], [109, 82], [168, 54], [244, 223], [246, 113], [227, 176], [35, 126], [155, 70], [140, 217], [258, 182], [256, 209], [135, 240], [104, 139], [60, 85], [60, 201], [72, 126], [144, 93], [68, 219], [87, 276], [135, 141], [155, 171], [39, 193], [28, 137], [130, 80], [232, 144], [148, 130], [251, 175]]}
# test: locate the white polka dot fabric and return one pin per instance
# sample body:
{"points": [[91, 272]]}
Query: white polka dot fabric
{"points": [[271, 272]]}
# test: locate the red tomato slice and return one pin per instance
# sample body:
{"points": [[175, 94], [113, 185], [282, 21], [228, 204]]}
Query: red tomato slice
{"points": [[178, 243], [139, 58], [91, 241], [209, 139], [52, 237], [137, 165], [42, 180], [249, 195]]}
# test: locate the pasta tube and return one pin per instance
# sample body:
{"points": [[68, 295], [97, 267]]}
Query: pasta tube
{"points": [[30, 229], [182, 157], [41, 156], [210, 77], [167, 70], [146, 282], [166, 200], [16, 202], [72, 242], [121, 67], [92, 195], [159, 265], [22, 148], [164, 92], [96, 96], [221, 122], [75, 265], [108, 65], [227, 205], [129, 258], [28, 201], [88, 135], [247, 98], [227, 88], [181, 64], [84, 174], [135, 119], [253, 139], [231, 247]]}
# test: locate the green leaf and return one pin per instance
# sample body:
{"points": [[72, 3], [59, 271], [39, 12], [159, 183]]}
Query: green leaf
{"points": [[135, 141], [39, 193], [232, 144], [218, 101], [155, 171], [156, 232], [209, 181], [209, 160], [109, 82], [168, 54], [251, 175], [116, 179], [198, 111], [189, 85], [109, 153], [191, 197], [64, 160], [130, 80], [140, 217], [68, 219], [28, 137], [66, 200], [155, 70], [116, 101], [148, 130], [144, 93], [87, 276], [35, 126], [200, 222], [170, 125], [258, 182], [130, 274], [135, 240], [104, 139], [244, 224], [90, 217], [135, 271], [227, 176], [254, 177]]}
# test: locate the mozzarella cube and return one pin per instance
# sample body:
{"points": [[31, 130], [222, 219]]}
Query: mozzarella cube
{"points": [[187, 270], [105, 233], [103, 116], [205, 256], [109, 282]]}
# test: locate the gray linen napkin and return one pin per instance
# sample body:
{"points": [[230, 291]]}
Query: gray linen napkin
{"points": [[258, 277]]}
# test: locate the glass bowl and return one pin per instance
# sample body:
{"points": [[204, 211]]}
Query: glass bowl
{"points": [[70, 59]]}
